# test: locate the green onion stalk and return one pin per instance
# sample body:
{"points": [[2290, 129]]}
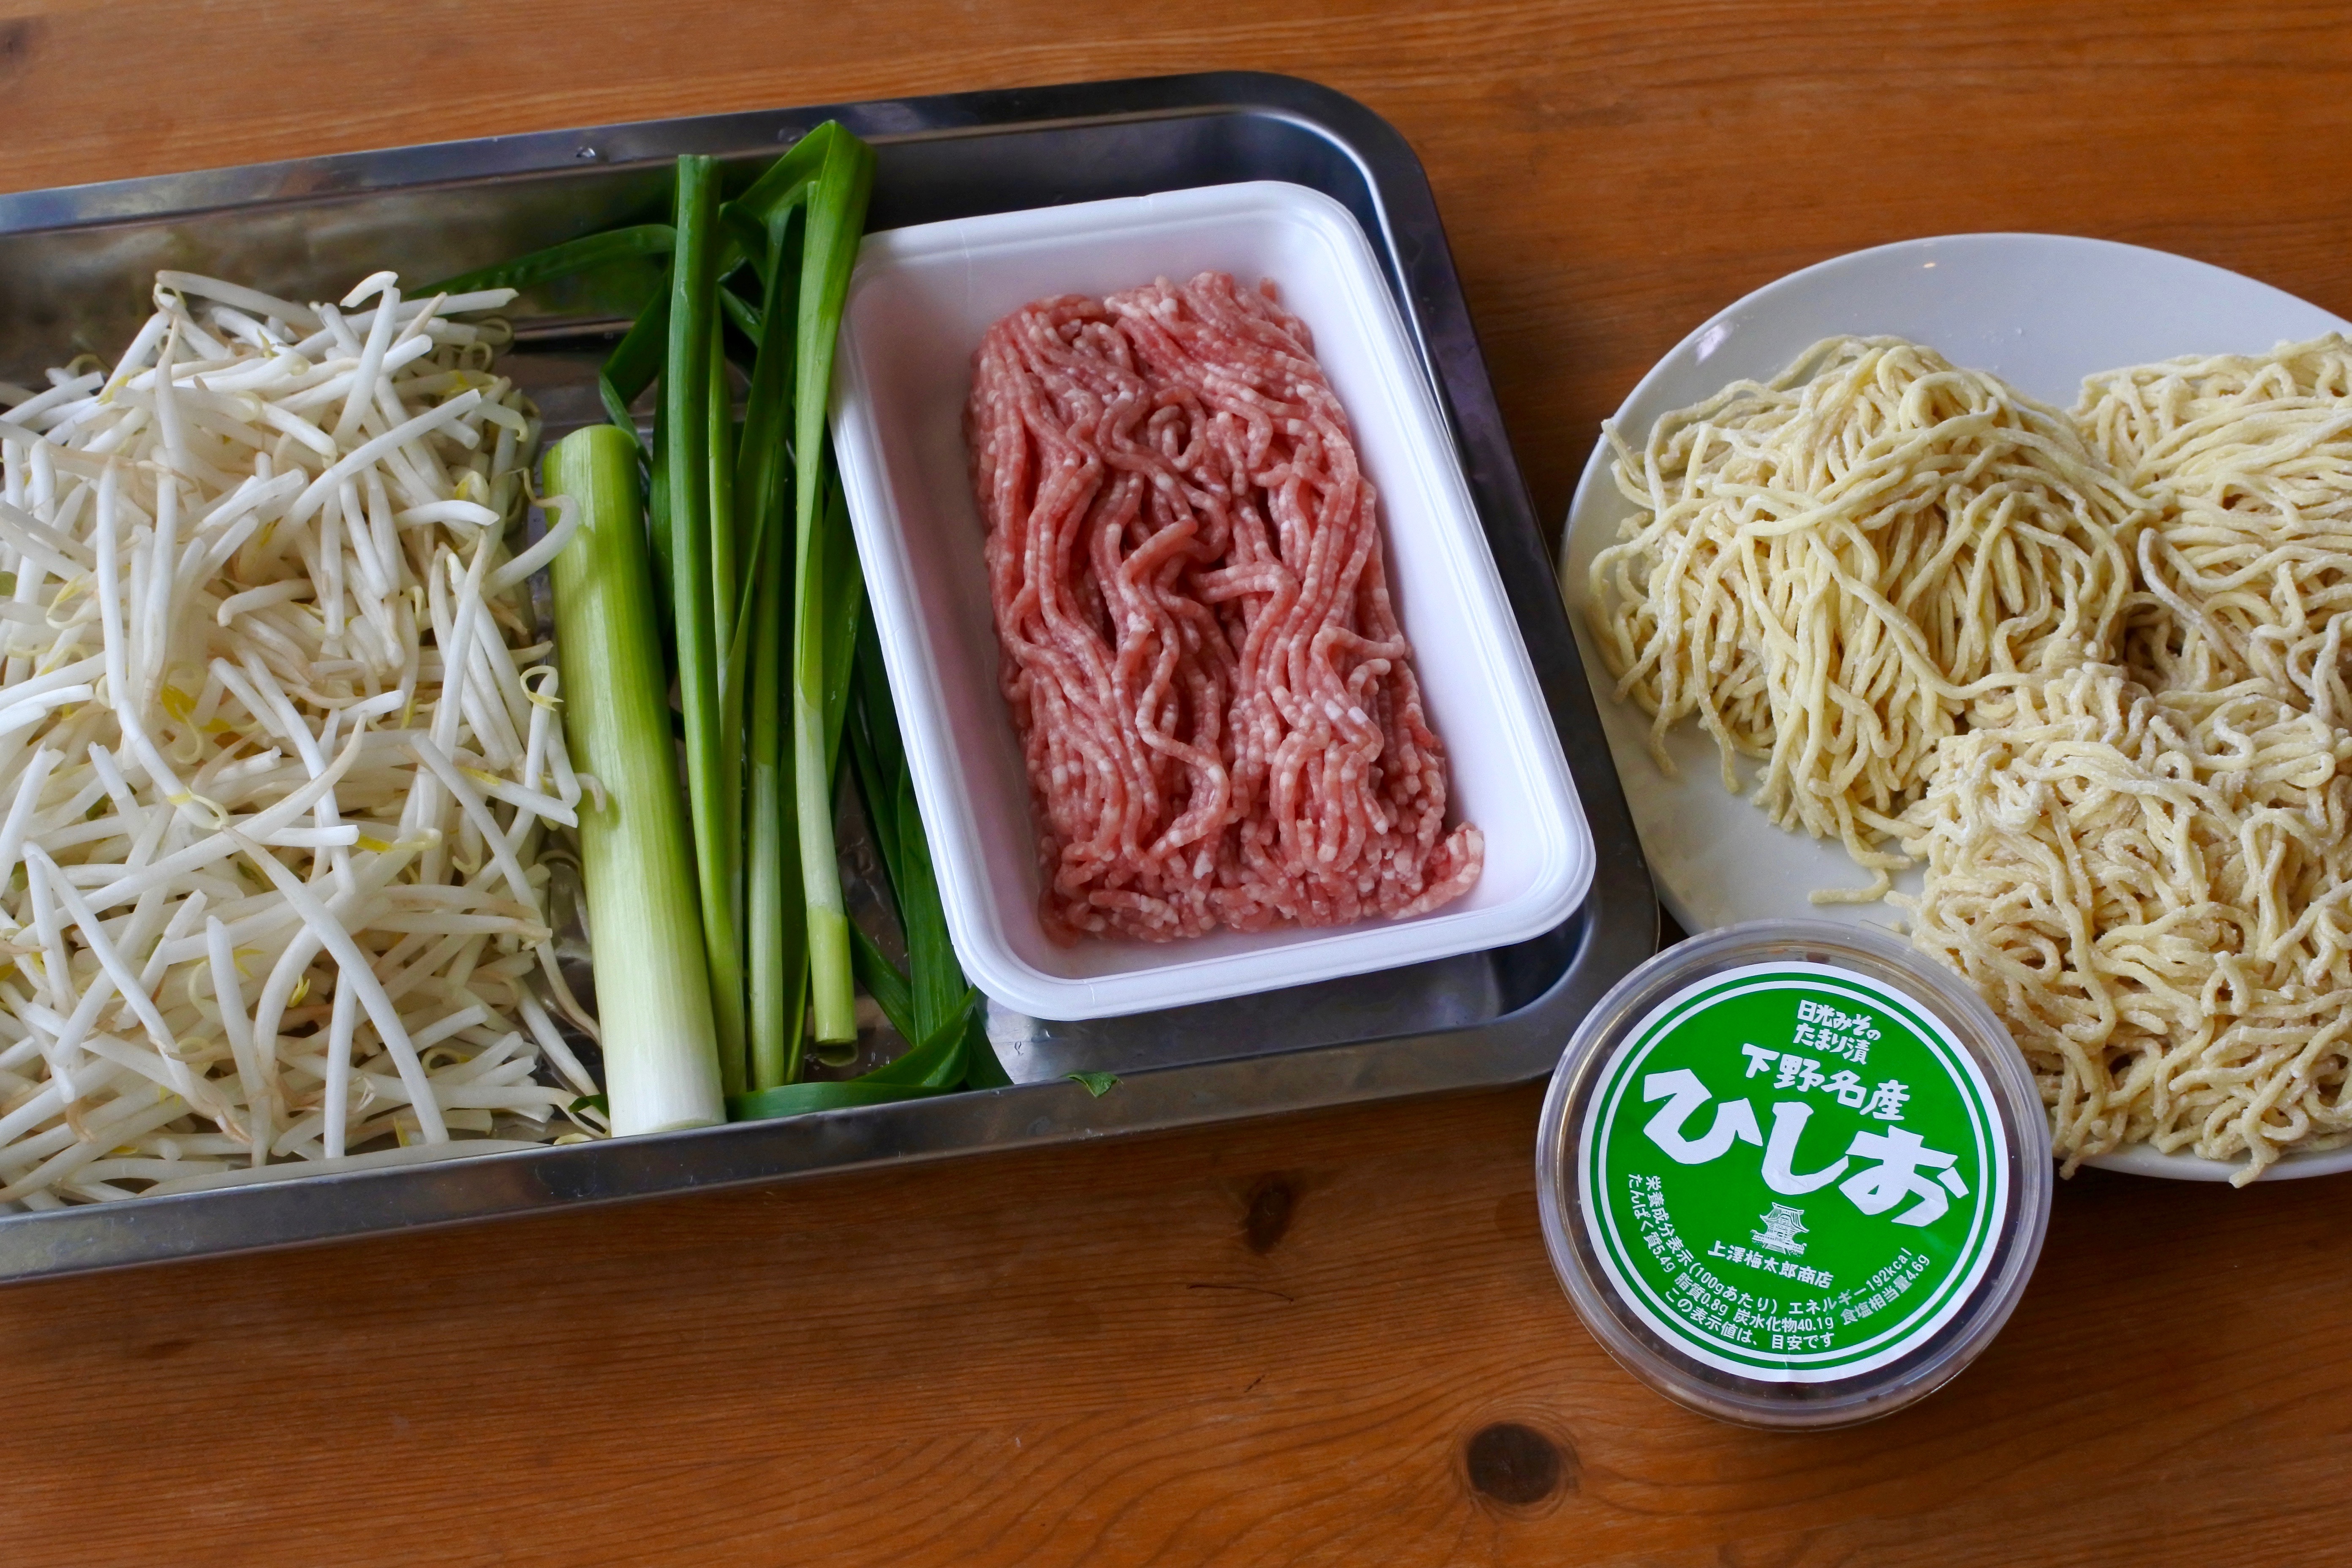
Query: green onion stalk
{"points": [[688, 465], [653, 995], [763, 222], [828, 591], [774, 660]]}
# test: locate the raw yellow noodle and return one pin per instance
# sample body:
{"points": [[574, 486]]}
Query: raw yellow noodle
{"points": [[1836, 569], [2090, 669], [2248, 571], [2154, 893]]}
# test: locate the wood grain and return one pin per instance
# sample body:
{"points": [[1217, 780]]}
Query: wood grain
{"points": [[1092, 1356], [1271, 1342]]}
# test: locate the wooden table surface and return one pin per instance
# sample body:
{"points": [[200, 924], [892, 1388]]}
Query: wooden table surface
{"points": [[1268, 1342]]}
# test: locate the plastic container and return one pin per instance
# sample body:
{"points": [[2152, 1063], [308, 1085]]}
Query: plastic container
{"points": [[1793, 1174], [920, 300]]}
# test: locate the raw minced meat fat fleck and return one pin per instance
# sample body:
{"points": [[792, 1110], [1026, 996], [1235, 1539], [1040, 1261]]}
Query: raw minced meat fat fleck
{"points": [[1215, 702]]}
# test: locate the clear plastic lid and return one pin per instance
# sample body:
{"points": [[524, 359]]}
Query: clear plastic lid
{"points": [[1793, 1174]]}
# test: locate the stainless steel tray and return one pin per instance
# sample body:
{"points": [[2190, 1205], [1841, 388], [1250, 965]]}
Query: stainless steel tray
{"points": [[75, 265]]}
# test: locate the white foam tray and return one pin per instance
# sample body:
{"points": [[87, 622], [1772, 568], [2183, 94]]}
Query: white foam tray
{"points": [[920, 300]]}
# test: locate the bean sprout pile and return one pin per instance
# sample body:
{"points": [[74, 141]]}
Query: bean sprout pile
{"points": [[278, 752]]}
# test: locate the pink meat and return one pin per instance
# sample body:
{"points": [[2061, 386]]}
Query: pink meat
{"points": [[1216, 702]]}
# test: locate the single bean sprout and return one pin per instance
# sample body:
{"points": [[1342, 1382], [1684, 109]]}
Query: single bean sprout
{"points": [[277, 754]]}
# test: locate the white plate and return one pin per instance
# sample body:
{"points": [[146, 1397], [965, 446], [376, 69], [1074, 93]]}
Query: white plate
{"points": [[2041, 311], [920, 300]]}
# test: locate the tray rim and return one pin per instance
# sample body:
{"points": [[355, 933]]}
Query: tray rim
{"points": [[1617, 924]]}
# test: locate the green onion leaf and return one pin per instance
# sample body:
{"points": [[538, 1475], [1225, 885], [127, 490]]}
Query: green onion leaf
{"points": [[933, 1066], [884, 984], [800, 1098], [589, 253], [938, 993], [635, 361], [743, 313]]}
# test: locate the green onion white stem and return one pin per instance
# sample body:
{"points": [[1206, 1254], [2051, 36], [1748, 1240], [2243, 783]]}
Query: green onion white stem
{"points": [[653, 995]]}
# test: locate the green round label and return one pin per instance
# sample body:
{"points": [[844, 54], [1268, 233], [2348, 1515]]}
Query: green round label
{"points": [[1792, 1172]]}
